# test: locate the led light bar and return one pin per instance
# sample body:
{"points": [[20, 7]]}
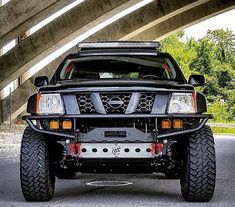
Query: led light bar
{"points": [[119, 44]]}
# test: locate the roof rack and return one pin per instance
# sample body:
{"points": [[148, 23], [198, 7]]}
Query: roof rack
{"points": [[119, 44]]}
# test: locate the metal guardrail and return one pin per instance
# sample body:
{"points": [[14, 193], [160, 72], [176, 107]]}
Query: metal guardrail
{"points": [[222, 125]]}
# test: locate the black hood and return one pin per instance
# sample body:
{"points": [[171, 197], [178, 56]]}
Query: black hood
{"points": [[164, 84]]}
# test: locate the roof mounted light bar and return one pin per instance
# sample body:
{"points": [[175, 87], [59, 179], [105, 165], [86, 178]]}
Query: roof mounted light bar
{"points": [[119, 44]]}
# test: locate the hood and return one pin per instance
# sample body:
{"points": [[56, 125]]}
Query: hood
{"points": [[161, 84]]}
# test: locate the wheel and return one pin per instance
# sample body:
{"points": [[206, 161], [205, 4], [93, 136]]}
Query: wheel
{"points": [[198, 178], [37, 179]]}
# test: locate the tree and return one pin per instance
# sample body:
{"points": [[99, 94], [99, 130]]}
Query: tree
{"points": [[214, 57], [183, 53], [225, 44]]}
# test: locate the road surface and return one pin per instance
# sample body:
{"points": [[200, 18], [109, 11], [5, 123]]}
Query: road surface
{"points": [[147, 190]]}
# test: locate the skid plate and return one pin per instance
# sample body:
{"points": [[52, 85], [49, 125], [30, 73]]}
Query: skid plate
{"points": [[116, 150]]}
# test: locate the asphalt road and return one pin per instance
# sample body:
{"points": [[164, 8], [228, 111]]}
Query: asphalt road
{"points": [[147, 190]]}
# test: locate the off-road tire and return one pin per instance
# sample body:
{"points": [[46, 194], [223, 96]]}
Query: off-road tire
{"points": [[198, 178], [37, 179]]}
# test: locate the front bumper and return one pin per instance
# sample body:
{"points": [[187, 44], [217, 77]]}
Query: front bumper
{"points": [[201, 119]]}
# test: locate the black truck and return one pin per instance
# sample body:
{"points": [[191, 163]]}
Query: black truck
{"points": [[118, 107]]}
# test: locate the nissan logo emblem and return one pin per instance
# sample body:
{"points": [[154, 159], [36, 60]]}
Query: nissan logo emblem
{"points": [[115, 102]]}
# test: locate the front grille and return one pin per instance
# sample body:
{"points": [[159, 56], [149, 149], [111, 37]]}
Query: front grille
{"points": [[85, 104], [146, 103], [115, 103]]}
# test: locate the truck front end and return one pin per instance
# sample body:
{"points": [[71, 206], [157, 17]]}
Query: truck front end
{"points": [[117, 108]]}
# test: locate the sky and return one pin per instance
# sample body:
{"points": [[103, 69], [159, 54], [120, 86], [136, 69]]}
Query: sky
{"points": [[225, 20]]}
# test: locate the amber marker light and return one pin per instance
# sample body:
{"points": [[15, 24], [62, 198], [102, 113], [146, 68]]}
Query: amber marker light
{"points": [[178, 124], [166, 124], [37, 102], [54, 124], [67, 124]]}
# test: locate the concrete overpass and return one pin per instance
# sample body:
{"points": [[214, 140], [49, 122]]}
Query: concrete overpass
{"points": [[155, 20]]}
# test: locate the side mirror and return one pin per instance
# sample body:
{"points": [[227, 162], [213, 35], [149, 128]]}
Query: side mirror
{"points": [[197, 80], [41, 81]]}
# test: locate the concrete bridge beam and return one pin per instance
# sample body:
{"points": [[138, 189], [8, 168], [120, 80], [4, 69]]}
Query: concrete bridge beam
{"points": [[18, 16], [17, 102], [56, 34], [153, 13], [185, 19]]}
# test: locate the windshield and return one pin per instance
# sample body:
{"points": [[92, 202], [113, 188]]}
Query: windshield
{"points": [[118, 67]]}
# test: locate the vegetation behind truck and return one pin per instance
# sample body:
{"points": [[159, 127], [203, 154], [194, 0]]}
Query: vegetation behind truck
{"points": [[118, 107]]}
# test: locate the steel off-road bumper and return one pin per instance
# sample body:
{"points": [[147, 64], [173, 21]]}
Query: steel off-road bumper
{"points": [[74, 134], [116, 150]]}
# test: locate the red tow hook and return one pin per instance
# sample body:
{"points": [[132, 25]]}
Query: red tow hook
{"points": [[156, 149], [75, 149], [153, 146], [159, 149]]}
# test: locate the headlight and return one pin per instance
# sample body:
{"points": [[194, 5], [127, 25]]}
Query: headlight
{"points": [[49, 104], [182, 103]]}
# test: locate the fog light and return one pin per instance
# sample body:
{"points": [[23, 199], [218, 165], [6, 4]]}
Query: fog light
{"points": [[178, 124], [166, 124], [54, 124], [67, 124]]}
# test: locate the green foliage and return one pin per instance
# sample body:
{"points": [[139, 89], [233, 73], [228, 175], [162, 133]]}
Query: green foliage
{"points": [[220, 111], [224, 41], [223, 130], [214, 57], [182, 53]]}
